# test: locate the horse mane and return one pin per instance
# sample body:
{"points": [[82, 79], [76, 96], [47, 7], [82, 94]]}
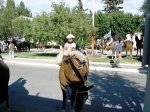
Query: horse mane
{"points": [[79, 75]]}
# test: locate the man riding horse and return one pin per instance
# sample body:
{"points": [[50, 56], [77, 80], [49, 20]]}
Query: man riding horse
{"points": [[128, 43], [21, 44]]}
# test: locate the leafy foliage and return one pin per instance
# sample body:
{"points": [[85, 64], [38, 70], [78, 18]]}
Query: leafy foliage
{"points": [[118, 22], [112, 5], [62, 21], [21, 10], [12, 23], [2, 8], [143, 8], [9, 15], [102, 24]]}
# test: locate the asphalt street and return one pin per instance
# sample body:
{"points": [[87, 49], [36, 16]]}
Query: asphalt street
{"points": [[36, 89]]}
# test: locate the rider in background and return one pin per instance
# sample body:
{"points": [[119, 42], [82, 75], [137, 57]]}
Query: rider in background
{"points": [[128, 37], [110, 41]]}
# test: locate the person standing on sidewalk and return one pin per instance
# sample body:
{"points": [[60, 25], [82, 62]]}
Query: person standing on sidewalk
{"points": [[119, 52], [11, 50]]}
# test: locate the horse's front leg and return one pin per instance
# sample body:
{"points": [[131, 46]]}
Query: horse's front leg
{"points": [[137, 52], [140, 52], [7, 105], [64, 100]]}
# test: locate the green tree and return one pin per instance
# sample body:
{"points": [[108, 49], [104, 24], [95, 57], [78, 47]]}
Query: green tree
{"points": [[66, 21], [118, 22], [2, 8], [123, 22], [21, 10], [143, 10], [102, 24], [112, 5], [27, 29], [42, 28], [17, 25], [143, 7], [9, 15]]}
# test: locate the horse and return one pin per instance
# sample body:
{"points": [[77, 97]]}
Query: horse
{"points": [[111, 46], [40, 46], [103, 45], [139, 44], [22, 46], [129, 47], [73, 74], [4, 80]]}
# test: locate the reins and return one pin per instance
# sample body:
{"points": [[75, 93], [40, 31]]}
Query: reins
{"points": [[75, 70]]}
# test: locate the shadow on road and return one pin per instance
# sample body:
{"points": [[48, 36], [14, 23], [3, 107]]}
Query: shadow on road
{"points": [[111, 93], [21, 100], [114, 93]]}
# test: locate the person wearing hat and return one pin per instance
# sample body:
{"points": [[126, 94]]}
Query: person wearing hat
{"points": [[128, 37], [70, 45], [70, 49]]}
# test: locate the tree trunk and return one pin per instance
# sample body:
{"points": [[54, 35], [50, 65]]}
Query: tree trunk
{"points": [[93, 41]]}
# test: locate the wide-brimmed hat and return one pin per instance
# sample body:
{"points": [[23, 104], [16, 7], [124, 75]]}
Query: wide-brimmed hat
{"points": [[70, 36]]}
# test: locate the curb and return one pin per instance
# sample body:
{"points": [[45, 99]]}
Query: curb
{"points": [[91, 67], [54, 60]]}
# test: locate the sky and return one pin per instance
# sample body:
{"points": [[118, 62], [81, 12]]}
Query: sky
{"points": [[37, 6]]}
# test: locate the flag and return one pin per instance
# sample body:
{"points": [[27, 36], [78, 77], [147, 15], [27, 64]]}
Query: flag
{"points": [[107, 35]]}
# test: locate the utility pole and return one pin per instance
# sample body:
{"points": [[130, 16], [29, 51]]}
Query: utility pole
{"points": [[146, 58]]}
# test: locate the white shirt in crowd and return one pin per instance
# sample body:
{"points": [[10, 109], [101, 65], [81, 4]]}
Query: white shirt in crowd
{"points": [[110, 41], [69, 46], [128, 37]]}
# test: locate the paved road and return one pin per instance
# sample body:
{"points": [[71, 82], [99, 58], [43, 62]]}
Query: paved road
{"points": [[36, 89]]}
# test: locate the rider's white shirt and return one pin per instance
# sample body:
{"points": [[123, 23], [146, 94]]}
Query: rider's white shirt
{"points": [[128, 37], [69, 46]]}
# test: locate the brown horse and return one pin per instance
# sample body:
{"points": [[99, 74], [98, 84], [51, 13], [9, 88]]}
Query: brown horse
{"points": [[112, 46], [73, 74], [129, 47], [103, 45], [4, 79], [40, 46]]}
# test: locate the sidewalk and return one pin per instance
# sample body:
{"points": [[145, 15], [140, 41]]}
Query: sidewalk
{"points": [[132, 68]]}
